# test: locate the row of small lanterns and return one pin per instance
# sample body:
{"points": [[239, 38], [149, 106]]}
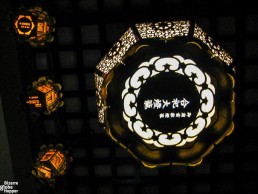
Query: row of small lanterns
{"points": [[34, 26]]}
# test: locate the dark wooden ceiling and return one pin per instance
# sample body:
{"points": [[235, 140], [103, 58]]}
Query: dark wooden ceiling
{"points": [[85, 30]]}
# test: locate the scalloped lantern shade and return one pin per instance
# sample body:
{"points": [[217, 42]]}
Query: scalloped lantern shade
{"points": [[34, 25], [165, 93], [52, 162], [44, 96]]}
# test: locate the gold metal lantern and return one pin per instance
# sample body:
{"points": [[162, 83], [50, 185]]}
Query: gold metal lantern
{"points": [[44, 96], [165, 93], [52, 162], [34, 25]]}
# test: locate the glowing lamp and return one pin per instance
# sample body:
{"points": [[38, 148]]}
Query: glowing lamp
{"points": [[165, 93], [52, 162], [34, 25], [44, 96]]}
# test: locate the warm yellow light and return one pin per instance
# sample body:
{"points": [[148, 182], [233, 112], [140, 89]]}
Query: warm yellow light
{"points": [[51, 163], [26, 25], [45, 95]]}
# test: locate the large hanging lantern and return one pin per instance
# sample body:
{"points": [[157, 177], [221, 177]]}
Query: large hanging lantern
{"points": [[52, 162], [34, 25], [165, 93], [44, 96]]}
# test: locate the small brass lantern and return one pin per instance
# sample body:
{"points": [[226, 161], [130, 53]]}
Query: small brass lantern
{"points": [[52, 162], [44, 96], [34, 25]]}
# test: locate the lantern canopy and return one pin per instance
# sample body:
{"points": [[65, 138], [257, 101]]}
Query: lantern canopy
{"points": [[34, 25], [44, 96], [52, 162], [165, 93]]}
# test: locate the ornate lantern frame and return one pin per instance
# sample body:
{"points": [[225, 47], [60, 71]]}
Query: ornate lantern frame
{"points": [[44, 96], [34, 25], [155, 49], [52, 162]]}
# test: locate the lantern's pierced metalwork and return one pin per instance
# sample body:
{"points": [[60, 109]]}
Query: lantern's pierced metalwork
{"points": [[165, 93], [44, 96], [34, 25]]}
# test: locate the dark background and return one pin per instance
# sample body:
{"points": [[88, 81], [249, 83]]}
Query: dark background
{"points": [[85, 30]]}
